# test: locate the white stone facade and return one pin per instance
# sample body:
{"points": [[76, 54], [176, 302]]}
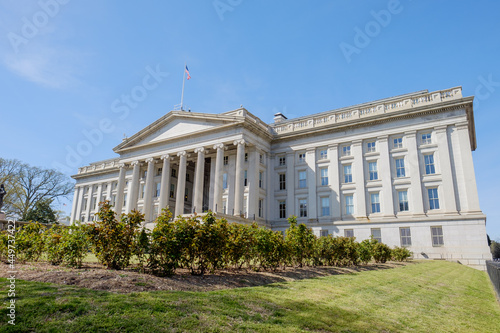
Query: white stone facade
{"points": [[399, 169]]}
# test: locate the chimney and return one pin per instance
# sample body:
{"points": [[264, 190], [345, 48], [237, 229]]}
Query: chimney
{"points": [[279, 117]]}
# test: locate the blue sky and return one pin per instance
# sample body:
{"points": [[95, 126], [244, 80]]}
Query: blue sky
{"points": [[66, 67]]}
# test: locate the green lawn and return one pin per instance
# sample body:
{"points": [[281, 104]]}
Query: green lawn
{"points": [[432, 296]]}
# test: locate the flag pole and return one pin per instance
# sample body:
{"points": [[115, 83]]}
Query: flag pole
{"points": [[183, 80]]}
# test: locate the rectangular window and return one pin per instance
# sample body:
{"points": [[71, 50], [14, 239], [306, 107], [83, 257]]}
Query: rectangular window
{"points": [[245, 178], [261, 159], [174, 173], [349, 205], [113, 200], [224, 181], [186, 192], [426, 139], [142, 191], [370, 147], [372, 167], [282, 209], [349, 233], [94, 203], [398, 142], [302, 179], [346, 150], [124, 199], [429, 164], [158, 189], [158, 173], [172, 190], [325, 206], [405, 235], [433, 198], [144, 175], [375, 200], [324, 233], [226, 160], [246, 157], [261, 208], [224, 206], [282, 160], [348, 173], [282, 178], [400, 167], [324, 176], [323, 154], [187, 176], [376, 234], [437, 236], [302, 157], [403, 201], [261, 179], [302, 208]]}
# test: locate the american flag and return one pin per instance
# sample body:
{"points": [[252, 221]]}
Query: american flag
{"points": [[187, 72]]}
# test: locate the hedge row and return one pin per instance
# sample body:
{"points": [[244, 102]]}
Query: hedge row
{"points": [[200, 246]]}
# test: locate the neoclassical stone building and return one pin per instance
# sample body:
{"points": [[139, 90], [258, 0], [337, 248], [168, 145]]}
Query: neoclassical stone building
{"points": [[399, 169]]}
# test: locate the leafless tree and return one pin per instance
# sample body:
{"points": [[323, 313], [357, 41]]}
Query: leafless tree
{"points": [[26, 185]]}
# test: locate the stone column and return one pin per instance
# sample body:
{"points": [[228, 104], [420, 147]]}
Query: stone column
{"points": [[384, 169], [468, 174], [449, 203], [181, 184], [133, 193], [417, 202], [253, 184], [89, 202], [290, 183], [312, 209], [165, 183], [199, 175], [359, 179], [148, 191], [219, 161], [98, 197], [74, 204], [334, 181], [238, 181], [77, 203], [109, 190], [120, 190]]}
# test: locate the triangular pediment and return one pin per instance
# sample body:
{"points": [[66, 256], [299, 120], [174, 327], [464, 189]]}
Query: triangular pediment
{"points": [[176, 125]]}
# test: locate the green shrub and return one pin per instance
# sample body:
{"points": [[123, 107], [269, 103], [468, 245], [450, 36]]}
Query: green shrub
{"points": [[300, 242], [142, 247], [30, 242], [4, 246], [345, 250], [113, 241], [365, 251], [53, 244], [240, 246], [381, 252], [75, 245], [270, 248], [401, 254]]}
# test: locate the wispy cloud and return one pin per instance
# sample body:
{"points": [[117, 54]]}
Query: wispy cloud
{"points": [[48, 66]]}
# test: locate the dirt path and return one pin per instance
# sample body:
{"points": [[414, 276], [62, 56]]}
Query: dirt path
{"points": [[95, 276]]}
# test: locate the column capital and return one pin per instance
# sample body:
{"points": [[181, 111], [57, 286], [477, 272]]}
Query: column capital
{"points": [[462, 126], [134, 163], [357, 142], [219, 146], [121, 165], [181, 153], [165, 157], [199, 150], [239, 142], [440, 129], [150, 160], [411, 134], [383, 138]]}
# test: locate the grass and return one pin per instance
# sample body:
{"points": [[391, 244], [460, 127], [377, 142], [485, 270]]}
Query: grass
{"points": [[432, 296]]}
